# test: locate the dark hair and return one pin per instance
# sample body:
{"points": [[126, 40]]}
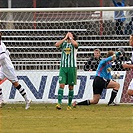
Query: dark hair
{"points": [[97, 50], [74, 36]]}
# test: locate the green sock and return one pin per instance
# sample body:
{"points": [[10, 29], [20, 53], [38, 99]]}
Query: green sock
{"points": [[70, 97], [60, 95]]}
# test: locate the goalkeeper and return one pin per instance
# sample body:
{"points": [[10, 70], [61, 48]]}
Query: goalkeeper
{"points": [[68, 67], [103, 80]]}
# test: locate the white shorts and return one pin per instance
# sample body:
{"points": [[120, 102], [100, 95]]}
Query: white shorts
{"points": [[8, 73], [130, 85]]}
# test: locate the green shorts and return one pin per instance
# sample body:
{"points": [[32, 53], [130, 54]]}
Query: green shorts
{"points": [[68, 76]]}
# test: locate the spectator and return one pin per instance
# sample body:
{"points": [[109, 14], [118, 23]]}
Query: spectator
{"points": [[93, 61], [128, 24], [119, 17]]}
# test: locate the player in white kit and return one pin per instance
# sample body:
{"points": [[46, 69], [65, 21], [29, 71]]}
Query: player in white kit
{"points": [[7, 71], [130, 87]]}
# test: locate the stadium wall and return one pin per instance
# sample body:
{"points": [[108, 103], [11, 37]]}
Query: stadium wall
{"points": [[42, 86]]}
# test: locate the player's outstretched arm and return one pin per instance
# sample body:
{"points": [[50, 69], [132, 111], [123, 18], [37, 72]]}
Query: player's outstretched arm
{"points": [[127, 65]]}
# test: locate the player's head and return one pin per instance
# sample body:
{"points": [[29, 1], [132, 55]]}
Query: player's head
{"points": [[75, 37], [110, 53], [97, 53]]}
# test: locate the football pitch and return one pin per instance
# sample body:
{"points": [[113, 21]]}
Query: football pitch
{"points": [[44, 118]]}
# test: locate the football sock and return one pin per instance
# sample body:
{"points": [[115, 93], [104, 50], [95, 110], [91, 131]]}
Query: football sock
{"points": [[113, 95], [86, 102], [22, 92], [70, 97], [60, 95], [1, 94]]}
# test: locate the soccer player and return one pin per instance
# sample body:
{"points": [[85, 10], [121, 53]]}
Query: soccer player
{"points": [[130, 87], [103, 80], [68, 67], [7, 71]]}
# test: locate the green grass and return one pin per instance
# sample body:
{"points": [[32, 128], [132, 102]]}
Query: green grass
{"points": [[44, 118]]}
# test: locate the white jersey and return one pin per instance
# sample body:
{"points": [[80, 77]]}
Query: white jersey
{"points": [[131, 83], [6, 66], [6, 61]]}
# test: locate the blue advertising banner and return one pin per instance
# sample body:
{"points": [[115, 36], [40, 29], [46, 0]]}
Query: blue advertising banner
{"points": [[42, 86]]}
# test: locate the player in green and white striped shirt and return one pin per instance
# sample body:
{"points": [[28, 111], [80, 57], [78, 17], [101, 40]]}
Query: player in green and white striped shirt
{"points": [[68, 67]]}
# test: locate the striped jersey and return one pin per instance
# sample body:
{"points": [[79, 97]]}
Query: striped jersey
{"points": [[104, 68], [69, 55]]}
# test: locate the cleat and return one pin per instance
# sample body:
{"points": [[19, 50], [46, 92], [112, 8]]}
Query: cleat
{"points": [[74, 104], [58, 106], [28, 104], [2, 103], [69, 108], [112, 104]]}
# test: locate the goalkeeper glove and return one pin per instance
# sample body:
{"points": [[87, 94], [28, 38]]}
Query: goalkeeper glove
{"points": [[122, 50], [118, 53]]}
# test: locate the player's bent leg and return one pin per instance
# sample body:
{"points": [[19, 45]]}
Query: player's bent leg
{"points": [[115, 86], [95, 99], [85, 102]]}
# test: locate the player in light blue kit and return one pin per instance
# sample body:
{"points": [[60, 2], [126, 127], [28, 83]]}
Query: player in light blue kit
{"points": [[103, 80]]}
